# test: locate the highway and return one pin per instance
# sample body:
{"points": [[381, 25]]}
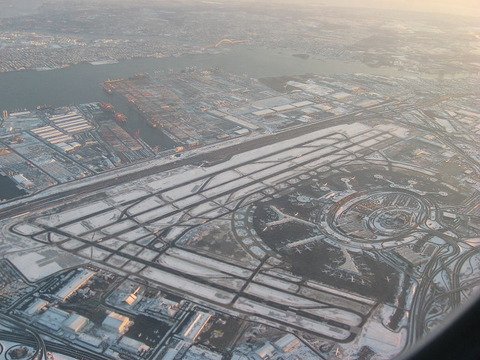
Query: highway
{"points": [[51, 346], [421, 301], [24, 334]]}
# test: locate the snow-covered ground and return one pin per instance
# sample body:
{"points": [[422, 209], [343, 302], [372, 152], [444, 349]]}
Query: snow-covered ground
{"points": [[280, 297], [379, 338], [43, 262], [189, 286], [191, 268], [318, 327], [279, 284], [215, 264]]}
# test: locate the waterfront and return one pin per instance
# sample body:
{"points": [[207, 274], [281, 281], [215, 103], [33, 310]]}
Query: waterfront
{"points": [[8, 189], [82, 83]]}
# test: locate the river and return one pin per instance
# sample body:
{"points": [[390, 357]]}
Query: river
{"points": [[8, 189], [82, 83]]}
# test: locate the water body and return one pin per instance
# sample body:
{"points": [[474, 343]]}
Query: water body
{"points": [[11, 9], [82, 83], [137, 123], [8, 189]]}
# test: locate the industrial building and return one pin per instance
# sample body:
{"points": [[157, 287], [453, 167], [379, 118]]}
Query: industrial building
{"points": [[51, 135], [242, 132], [73, 285], [133, 345], [75, 323], [287, 343], [268, 351], [35, 307], [89, 341], [23, 181], [196, 325], [116, 323], [67, 148], [265, 352], [70, 122], [60, 131], [130, 299], [53, 318], [133, 297]]}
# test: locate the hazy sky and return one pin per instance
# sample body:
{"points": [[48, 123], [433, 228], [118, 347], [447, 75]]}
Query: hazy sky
{"points": [[461, 7], [465, 7]]}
